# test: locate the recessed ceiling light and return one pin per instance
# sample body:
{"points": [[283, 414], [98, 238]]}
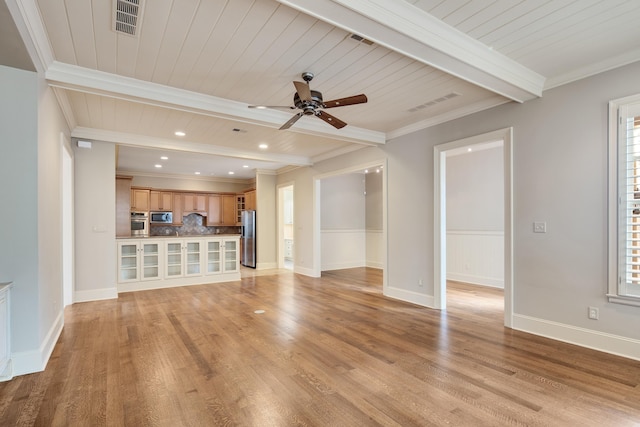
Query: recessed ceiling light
{"points": [[263, 146], [469, 149], [366, 171], [197, 173], [158, 166], [180, 133], [164, 158], [377, 170], [231, 173], [245, 166]]}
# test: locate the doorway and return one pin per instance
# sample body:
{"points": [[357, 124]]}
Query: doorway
{"points": [[286, 227], [441, 152], [350, 221]]}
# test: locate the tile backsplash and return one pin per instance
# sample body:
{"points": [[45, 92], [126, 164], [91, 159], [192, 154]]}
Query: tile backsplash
{"points": [[192, 225]]}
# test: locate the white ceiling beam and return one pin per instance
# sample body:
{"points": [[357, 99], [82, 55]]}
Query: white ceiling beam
{"points": [[408, 30], [96, 82], [184, 146]]}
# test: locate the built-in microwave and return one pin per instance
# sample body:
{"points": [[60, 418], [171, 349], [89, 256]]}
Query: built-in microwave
{"points": [[161, 217]]}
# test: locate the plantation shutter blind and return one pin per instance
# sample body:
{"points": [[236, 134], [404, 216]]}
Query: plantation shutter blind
{"points": [[629, 201]]}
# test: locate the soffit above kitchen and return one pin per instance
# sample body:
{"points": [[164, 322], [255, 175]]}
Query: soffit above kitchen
{"points": [[195, 66]]}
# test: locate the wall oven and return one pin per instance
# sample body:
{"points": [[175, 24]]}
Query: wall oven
{"points": [[139, 224]]}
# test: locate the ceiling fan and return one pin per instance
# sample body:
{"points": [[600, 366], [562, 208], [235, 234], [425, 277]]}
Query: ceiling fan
{"points": [[311, 103]]}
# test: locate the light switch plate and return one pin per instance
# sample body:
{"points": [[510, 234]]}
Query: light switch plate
{"points": [[539, 227]]}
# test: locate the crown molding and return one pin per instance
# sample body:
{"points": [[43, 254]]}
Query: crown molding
{"points": [[26, 16], [185, 146], [593, 69], [189, 177], [408, 30], [335, 153]]}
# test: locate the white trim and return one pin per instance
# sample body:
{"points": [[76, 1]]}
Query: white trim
{"points": [[27, 18], [183, 146], [28, 362], [146, 285], [243, 181], [266, 265], [476, 280], [85, 80], [607, 343], [410, 296], [406, 29], [309, 272], [95, 295], [439, 231]]}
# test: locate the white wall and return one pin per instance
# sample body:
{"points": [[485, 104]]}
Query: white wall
{"points": [[475, 217], [560, 176], [266, 220], [95, 221], [375, 251], [31, 223]]}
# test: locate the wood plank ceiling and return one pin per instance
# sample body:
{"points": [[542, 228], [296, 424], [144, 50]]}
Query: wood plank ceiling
{"points": [[195, 65]]}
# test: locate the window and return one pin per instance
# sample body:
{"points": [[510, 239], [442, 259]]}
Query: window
{"points": [[624, 201]]}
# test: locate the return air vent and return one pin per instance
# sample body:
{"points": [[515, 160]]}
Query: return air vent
{"points": [[127, 15], [433, 102]]}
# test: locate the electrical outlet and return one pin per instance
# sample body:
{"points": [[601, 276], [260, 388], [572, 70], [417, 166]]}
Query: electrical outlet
{"points": [[420, 282], [594, 313]]}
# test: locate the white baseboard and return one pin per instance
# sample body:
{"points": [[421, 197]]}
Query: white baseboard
{"points": [[409, 296], [374, 264], [304, 271], [607, 343], [28, 362], [266, 265], [343, 265], [476, 280], [95, 295], [147, 285]]}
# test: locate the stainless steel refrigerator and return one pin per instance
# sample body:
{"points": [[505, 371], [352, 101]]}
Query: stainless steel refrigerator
{"points": [[248, 239]]}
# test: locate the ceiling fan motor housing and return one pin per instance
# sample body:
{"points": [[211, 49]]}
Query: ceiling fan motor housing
{"points": [[308, 107]]}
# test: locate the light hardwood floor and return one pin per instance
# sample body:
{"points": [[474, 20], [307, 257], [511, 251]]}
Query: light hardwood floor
{"points": [[330, 351]]}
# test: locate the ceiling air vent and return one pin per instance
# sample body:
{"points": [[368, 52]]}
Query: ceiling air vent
{"points": [[126, 16], [433, 102], [361, 39]]}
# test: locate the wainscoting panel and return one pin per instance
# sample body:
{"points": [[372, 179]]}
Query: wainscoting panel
{"points": [[476, 257], [375, 249], [343, 249]]}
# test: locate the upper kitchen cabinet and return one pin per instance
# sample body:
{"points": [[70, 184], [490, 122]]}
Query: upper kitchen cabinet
{"points": [[221, 209], [250, 200], [140, 199], [161, 201], [123, 206], [192, 202]]}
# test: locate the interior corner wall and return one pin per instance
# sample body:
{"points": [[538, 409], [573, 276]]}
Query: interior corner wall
{"points": [[266, 221], [19, 194], [95, 221]]}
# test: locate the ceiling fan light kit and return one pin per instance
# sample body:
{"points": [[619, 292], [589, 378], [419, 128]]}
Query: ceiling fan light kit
{"points": [[310, 103]]}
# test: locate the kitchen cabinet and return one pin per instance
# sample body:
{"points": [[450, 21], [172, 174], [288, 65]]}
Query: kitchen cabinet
{"points": [[139, 260], [140, 199], [183, 258], [222, 256], [221, 209], [154, 263], [160, 201], [192, 202], [239, 207], [177, 209], [250, 200], [123, 206]]}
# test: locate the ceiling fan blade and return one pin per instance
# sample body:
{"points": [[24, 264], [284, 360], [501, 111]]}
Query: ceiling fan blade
{"points": [[350, 100], [303, 91], [291, 121], [333, 121], [262, 107]]}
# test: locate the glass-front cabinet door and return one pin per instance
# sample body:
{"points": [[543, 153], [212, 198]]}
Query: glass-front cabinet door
{"points": [[193, 259], [214, 257], [230, 255], [128, 270], [150, 261], [173, 261]]}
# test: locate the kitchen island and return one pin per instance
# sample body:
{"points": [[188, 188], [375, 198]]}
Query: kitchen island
{"points": [[156, 262]]}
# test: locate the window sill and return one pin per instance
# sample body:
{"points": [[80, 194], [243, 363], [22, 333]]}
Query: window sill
{"points": [[621, 299]]}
